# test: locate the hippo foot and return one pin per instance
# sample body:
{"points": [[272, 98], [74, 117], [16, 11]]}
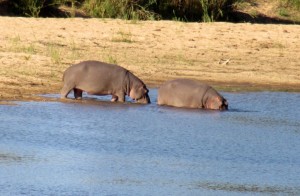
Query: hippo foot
{"points": [[114, 98]]}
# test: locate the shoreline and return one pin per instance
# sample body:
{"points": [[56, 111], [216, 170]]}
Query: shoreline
{"points": [[10, 97]]}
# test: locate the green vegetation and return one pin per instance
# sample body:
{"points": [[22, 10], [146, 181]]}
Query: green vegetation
{"points": [[289, 9], [292, 3], [195, 10], [215, 9], [111, 59], [31, 8], [178, 10], [54, 53], [126, 9], [181, 10], [123, 37]]}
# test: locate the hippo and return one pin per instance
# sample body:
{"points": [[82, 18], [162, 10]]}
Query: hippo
{"points": [[190, 94], [99, 78]]}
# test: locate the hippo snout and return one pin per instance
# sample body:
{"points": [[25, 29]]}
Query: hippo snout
{"points": [[144, 100], [224, 105]]}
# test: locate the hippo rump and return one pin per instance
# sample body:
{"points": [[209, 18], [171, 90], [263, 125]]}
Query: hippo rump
{"points": [[190, 94], [98, 78]]}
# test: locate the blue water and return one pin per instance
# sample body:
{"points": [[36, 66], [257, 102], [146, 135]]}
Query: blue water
{"points": [[93, 147]]}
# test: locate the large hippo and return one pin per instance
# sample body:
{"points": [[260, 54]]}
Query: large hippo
{"points": [[190, 94], [98, 78]]}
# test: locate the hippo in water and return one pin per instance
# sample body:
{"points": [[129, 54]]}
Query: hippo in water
{"points": [[190, 94], [98, 78]]}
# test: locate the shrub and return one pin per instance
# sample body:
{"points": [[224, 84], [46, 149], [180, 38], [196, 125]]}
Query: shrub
{"points": [[34, 8], [293, 3], [127, 9], [195, 10], [187, 10]]}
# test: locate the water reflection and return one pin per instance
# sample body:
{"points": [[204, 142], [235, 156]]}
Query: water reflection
{"points": [[8, 158], [250, 188]]}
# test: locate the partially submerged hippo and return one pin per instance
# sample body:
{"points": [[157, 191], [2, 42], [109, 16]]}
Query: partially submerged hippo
{"points": [[98, 78], [190, 94]]}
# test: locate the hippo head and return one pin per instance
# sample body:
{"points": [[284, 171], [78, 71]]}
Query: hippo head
{"points": [[139, 93], [216, 103]]}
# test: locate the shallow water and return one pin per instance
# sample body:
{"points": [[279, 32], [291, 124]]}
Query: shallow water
{"points": [[93, 147]]}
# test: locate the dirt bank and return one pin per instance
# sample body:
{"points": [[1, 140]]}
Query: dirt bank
{"points": [[34, 52]]}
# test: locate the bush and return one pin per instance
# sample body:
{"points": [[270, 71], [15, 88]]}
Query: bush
{"points": [[186, 10], [196, 10], [127, 9], [293, 3], [29, 7]]}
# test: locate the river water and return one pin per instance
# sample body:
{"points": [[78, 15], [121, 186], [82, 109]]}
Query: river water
{"points": [[93, 147]]}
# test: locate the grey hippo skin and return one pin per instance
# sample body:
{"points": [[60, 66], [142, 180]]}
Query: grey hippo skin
{"points": [[98, 78], [190, 94]]}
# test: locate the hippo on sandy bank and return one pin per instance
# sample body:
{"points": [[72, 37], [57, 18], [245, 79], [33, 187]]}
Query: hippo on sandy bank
{"points": [[190, 94], [98, 78]]}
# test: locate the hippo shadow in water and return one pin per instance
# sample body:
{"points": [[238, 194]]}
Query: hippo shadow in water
{"points": [[237, 110]]}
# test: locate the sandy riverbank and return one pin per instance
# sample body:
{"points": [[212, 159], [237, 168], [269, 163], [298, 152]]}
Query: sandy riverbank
{"points": [[34, 52]]}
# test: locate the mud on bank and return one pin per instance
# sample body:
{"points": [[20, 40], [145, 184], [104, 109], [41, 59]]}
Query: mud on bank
{"points": [[34, 52]]}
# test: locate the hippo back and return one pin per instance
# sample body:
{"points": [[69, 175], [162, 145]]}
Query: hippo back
{"points": [[188, 93], [182, 93], [94, 76]]}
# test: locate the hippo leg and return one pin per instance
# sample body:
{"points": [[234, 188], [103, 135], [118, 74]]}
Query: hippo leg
{"points": [[77, 93], [114, 98], [65, 91], [118, 97], [121, 97]]}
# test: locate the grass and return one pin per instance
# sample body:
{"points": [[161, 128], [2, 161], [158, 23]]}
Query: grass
{"points": [[124, 9], [123, 37], [283, 12], [208, 10], [177, 10], [112, 59], [289, 9], [31, 8], [54, 53], [254, 13], [73, 48], [206, 17], [30, 49], [292, 3], [15, 43]]}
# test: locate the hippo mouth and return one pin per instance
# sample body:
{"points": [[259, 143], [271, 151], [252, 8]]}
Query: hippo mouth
{"points": [[144, 99], [224, 105]]}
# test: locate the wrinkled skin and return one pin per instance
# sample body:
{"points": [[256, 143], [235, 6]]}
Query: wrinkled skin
{"points": [[190, 94], [98, 78]]}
